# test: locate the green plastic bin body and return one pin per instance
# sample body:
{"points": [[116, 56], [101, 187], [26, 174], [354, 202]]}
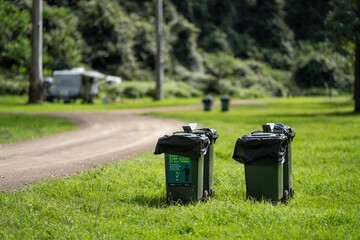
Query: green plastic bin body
{"points": [[290, 134], [184, 165], [288, 172], [288, 168], [208, 180], [263, 156], [264, 181], [208, 161], [184, 178], [225, 104], [208, 101]]}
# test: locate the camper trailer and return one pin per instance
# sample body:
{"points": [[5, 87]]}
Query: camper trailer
{"points": [[77, 83]]}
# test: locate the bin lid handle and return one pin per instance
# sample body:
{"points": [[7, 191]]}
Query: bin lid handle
{"points": [[189, 128]]}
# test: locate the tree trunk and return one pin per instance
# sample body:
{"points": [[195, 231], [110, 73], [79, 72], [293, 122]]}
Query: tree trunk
{"points": [[36, 77], [357, 69]]}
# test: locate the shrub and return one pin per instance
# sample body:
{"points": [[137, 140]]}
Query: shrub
{"points": [[230, 72], [196, 80], [13, 88], [320, 92], [221, 64], [319, 66], [315, 71], [137, 89], [13, 85], [255, 91], [180, 90]]}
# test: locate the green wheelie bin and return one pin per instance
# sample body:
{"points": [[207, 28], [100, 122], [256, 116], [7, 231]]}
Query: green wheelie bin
{"points": [[290, 134], [184, 165], [225, 103], [263, 156], [207, 102], [208, 182]]}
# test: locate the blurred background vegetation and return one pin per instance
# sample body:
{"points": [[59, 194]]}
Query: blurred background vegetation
{"points": [[242, 48]]}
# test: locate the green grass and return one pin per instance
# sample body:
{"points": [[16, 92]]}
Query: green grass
{"points": [[126, 200], [18, 103], [15, 127]]}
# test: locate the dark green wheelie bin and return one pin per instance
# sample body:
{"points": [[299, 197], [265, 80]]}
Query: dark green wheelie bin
{"points": [[225, 103], [263, 155], [184, 165], [207, 102], [208, 161], [208, 182], [290, 134]]}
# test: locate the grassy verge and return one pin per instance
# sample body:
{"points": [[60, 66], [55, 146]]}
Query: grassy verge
{"points": [[16, 104], [15, 127], [125, 200]]}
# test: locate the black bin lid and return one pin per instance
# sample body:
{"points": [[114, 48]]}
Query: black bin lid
{"points": [[209, 132], [184, 144], [266, 147], [282, 128]]}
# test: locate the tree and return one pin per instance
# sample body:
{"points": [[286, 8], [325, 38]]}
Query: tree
{"points": [[344, 23], [15, 30], [62, 43], [36, 77], [307, 18]]}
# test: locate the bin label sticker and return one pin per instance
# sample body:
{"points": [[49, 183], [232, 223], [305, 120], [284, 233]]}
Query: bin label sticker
{"points": [[179, 171]]}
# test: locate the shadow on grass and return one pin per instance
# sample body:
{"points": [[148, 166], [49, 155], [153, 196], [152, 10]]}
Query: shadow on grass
{"points": [[150, 201], [160, 202], [342, 114]]}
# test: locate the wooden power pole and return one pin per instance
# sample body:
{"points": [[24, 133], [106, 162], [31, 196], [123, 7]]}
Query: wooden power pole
{"points": [[36, 71], [159, 52]]}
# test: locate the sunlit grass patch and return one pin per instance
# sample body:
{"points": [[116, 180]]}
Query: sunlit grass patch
{"points": [[15, 127]]}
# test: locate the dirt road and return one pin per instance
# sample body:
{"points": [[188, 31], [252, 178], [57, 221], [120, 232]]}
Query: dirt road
{"points": [[103, 136]]}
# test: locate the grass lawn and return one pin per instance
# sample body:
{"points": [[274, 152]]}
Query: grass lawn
{"points": [[126, 200], [16, 104], [15, 127]]}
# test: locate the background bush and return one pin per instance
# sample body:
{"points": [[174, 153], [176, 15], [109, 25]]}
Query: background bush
{"points": [[13, 86], [140, 89], [319, 67]]}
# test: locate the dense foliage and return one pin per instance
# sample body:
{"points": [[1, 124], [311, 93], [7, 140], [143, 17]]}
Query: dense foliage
{"points": [[267, 47]]}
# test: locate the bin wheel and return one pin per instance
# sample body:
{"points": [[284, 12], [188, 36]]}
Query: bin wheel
{"points": [[206, 194], [212, 192], [169, 199], [292, 192], [285, 196]]}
